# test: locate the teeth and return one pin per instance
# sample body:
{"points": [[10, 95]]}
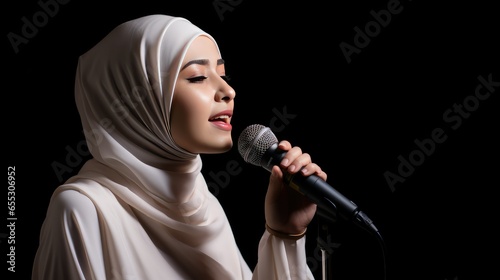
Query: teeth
{"points": [[221, 117]]}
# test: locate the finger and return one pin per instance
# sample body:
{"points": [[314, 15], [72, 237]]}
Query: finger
{"points": [[299, 162], [289, 160], [313, 168], [290, 156], [284, 145], [275, 183]]}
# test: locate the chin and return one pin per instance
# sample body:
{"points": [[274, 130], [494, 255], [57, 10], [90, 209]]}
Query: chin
{"points": [[227, 147], [218, 148]]}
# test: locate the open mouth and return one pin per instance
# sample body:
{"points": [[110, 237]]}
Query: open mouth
{"points": [[221, 118]]}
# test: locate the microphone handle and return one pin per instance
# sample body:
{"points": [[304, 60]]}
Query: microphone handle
{"points": [[313, 187]]}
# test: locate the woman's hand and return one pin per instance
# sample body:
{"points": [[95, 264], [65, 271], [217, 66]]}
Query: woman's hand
{"points": [[286, 210]]}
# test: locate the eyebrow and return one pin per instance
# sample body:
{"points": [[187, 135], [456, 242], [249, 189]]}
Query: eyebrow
{"points": [[220, 61]]}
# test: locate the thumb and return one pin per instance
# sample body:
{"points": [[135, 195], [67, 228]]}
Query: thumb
{"points": [[275, 182]]}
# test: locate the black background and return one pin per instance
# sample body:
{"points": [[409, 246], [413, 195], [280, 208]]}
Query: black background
{"points": [[355, 119]]}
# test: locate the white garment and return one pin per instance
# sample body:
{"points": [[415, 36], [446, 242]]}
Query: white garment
{"points": [[141, 209]]}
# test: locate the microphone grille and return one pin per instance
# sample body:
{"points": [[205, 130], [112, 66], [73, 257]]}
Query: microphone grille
{"points": [[254, 141]]}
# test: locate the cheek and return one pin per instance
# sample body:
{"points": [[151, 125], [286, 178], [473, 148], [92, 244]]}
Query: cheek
{"points": [[191, 107], [190, 112]]}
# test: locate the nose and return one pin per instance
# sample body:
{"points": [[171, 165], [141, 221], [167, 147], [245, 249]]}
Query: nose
{"points": [[225, 92]]}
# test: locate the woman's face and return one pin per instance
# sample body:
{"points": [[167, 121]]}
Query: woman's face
{"points": [[203, 102]]}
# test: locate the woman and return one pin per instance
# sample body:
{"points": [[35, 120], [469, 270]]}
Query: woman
{"points": [[152, 97]]}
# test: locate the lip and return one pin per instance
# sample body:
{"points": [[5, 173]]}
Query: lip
{"points": [[224, 124]]}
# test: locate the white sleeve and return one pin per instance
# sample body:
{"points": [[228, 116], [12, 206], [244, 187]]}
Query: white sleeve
{"points": [[68, 237], [281, 259]]}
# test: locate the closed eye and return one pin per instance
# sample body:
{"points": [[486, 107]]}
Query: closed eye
{"points": [[197, 79]]}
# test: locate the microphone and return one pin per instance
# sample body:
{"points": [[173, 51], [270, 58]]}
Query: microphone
{"points": [[259, 146]]}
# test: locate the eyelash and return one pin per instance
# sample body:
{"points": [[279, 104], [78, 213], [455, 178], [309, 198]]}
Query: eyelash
{"points": [[201, 78], [196, 79]]}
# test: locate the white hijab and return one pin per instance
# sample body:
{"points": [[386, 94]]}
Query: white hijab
{"points": [[156, 218]]}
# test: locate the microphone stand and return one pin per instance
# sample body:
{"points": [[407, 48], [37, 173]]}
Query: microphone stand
{"points": [[324, 221]]}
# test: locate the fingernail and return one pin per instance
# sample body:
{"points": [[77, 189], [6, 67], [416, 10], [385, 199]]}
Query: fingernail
{"points": [[304, 171], [284, 162], [291, 168]]}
